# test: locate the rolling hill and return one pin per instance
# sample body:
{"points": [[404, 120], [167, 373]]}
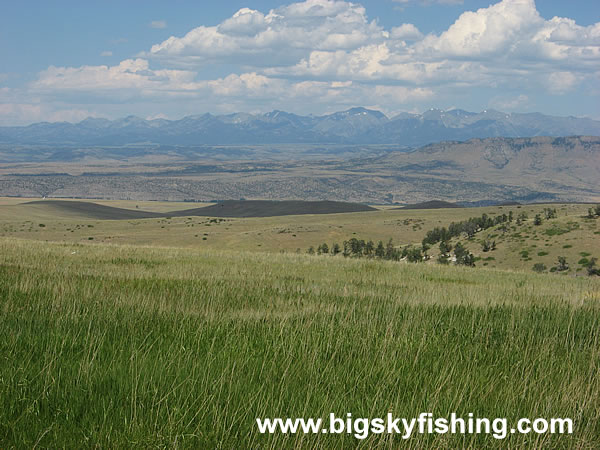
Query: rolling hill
{"points": [[230, 208]]}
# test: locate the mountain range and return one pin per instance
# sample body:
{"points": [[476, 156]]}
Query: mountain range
{"points": [[353, 126]]}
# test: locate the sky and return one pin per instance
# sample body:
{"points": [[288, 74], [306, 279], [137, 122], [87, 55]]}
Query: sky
{"points": [[67, 60]]}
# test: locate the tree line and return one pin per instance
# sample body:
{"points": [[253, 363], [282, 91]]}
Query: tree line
{"points": [[469, 227], [359, 248]]}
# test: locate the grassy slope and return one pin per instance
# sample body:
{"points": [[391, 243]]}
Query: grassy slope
{"points": [[127, 346], [289, 233]]}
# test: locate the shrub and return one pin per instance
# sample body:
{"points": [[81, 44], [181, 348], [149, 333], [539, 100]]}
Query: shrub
{"points": [[591, 267], [562, 264], [539, 267]]}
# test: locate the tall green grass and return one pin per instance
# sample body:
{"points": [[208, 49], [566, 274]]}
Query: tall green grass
{"points": [[138, 347]]}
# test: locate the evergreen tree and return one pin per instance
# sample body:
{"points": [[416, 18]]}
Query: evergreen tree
{"points": [[463, 256], [445, 247], [414, 254], [380, 250], [347, 249], [369, 248], [391, 252]]}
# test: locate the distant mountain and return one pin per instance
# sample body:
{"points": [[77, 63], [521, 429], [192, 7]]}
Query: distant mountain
{"points": [[354, 126]]}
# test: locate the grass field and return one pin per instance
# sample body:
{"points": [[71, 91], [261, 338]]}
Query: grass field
{"points": [[129, 346], [518, 248]]}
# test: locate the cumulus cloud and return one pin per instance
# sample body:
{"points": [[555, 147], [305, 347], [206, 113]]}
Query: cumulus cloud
{"points": [[334, 39], [130, 74], [284, 34], [513, 32], [406, 31], [328, 52], [488, 31]]}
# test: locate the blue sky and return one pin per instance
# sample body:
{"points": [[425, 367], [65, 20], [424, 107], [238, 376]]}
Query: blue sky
{"points": [[67, 60]]}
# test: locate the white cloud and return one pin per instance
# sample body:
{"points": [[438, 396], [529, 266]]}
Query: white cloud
{"points": [[159, 24], [106, 53], [24, 113], [131, 74], [327, 39], [406, 31], [282, 36], [245, 22], [319, 54], [511, 33], [561, 82], [488, 31]]}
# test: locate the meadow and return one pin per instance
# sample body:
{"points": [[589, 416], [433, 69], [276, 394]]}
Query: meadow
{"points": [[519, 247], [123, 346]]}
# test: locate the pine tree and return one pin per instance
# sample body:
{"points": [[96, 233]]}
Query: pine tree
{"points": [[380, 250], [390, 250]]}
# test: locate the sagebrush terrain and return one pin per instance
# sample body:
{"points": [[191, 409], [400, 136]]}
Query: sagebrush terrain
{"points": [[480, 171]]}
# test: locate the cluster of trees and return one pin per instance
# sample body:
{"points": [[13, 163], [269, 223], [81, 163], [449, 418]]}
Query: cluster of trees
{"points": [[593, 212], [549, 213], [359, 248], [462, 256], [469, 227]]}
